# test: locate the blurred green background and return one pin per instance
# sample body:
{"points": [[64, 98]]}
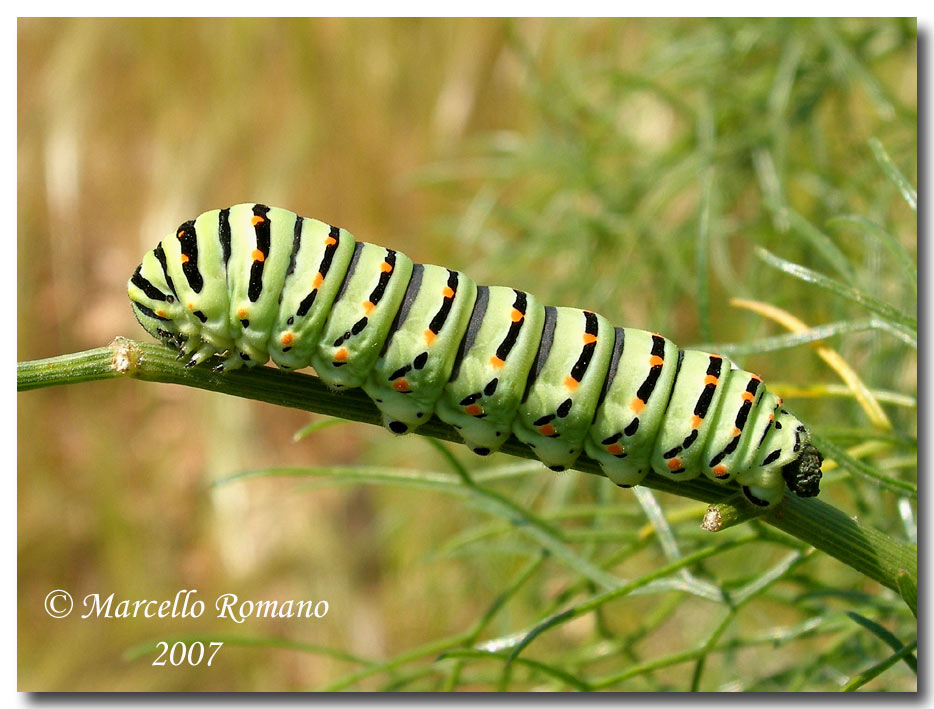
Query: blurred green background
{"points": [[630, 167]]}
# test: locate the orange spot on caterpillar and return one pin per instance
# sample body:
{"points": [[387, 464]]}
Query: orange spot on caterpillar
{"points": [[401, 385], [747, 396], [185, 258], [368, 307], [160, 313], [473, 409], [386, 267], [286, 339], [710, 379], [547, 430], [429, 336], [779, 401], [241, 314], [330, 241], [341, 355], [496, 362], [191, 306], [675, 464], [180, 233], [448, 292], [570, 382], [516, 315], [721, 472], [589, 339], [756, 377], [736, 432], [615, 449], [696, 421], [319, 279], [656, 361], [637, 405], [256, 220], [258, 255]]}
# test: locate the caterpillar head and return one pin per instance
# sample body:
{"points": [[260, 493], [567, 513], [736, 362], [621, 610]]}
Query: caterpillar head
{"points": [[803, 474]]}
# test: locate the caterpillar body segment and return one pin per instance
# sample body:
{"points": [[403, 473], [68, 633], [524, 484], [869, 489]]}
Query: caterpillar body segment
{"points": [[495, 355], [252, 282], [320, 257], [361, 315], [636, 395], [255, 274], [698, 386], [727, 444], [563, 387], [417, 357]]}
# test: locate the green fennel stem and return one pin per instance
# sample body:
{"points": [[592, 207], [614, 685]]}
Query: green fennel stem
{"points": [[866, 550]]}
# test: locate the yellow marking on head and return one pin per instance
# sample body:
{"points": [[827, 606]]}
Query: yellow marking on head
{"points": [[496, 362], [258, 255], [637, 405], [473, 409], [429, 337], [319, 279], [286, 339], [516, 315], [547, 430], [675, 463], [571, 383], [710, 379], [185, 258], [368, 307], [341, 355], [656, 361], [386, 267], [256, 220], [401, 385], [589, 339], [448, 292], [242, 313]]}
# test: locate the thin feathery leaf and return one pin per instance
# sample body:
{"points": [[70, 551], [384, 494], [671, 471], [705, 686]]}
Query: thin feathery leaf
{"points": [[886, 636], [865, 398], [809, 335], [909, 194], [894, 315], [891, 244]]}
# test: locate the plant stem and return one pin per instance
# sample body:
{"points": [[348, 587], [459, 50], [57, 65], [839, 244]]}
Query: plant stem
{"points": [[869, 551]]}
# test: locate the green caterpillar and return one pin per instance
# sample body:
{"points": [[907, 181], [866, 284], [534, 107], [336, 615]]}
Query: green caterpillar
{"points": [[256, 282]]}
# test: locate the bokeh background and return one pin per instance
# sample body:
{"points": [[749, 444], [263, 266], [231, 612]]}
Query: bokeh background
{"points": [[629, 166]]}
